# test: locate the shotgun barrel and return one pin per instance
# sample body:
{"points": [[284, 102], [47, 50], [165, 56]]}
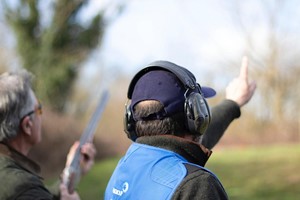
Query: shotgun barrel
{"points": [[71, 174]]}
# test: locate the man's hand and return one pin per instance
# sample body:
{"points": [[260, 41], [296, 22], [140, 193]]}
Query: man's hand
{"points": [[88, 152], [239, 89], [65, 195], [87, 156]]}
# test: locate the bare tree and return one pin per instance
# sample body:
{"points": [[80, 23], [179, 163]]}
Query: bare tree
{"points": [[272, 46]]}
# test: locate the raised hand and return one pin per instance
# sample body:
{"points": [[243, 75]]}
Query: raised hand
{"points": [[239, 89]]}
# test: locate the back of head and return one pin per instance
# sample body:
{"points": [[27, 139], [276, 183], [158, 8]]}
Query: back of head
{"points": [[151, 120], [165, 99], [15, 100]]}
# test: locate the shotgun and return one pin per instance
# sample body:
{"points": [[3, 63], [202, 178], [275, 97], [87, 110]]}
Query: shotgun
{"points": [[71, 174]]}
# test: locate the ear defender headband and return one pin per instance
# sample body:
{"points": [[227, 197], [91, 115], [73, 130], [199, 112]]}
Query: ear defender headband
{"points": [[196, 109]]}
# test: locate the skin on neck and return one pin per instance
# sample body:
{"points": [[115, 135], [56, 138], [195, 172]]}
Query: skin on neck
{"points": [[19, 143], [192, 137]]}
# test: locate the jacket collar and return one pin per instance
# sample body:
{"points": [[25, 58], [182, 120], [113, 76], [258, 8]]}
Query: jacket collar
{"points": [[20, 159], [192, 151]]}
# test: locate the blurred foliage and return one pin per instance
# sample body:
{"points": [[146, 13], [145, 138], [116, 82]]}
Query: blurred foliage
{"points": [[53, 51], [2, 59], [93, 185], [274, 55], [60, 130], [5, 55]]}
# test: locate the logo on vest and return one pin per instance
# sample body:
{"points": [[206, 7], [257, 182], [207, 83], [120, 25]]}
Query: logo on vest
{"points": [[125, 188]]}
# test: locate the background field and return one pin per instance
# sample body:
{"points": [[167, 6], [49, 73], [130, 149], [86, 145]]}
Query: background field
{"points": [[252, 173]]}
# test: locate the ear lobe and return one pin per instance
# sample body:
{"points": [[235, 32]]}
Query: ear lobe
{"points": [[26, 125]]}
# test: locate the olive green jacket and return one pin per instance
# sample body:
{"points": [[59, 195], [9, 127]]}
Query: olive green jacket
{"points": [[19, 177]]}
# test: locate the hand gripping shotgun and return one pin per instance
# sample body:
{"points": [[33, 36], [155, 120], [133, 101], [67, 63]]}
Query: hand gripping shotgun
{"points": [[71, 174]]}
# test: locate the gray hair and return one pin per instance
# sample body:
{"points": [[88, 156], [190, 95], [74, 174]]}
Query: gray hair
{"points": [[16, 99]]}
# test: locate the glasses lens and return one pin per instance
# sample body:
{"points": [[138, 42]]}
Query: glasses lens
{"points": [[39, 109]]}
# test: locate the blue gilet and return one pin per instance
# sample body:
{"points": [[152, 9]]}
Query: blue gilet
{"points": [[147, 173]]}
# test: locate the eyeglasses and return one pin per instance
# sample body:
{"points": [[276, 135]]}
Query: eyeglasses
{"points": [[38, 110]]}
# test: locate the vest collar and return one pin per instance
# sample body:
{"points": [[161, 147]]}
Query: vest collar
{"points": [[193, 152]]}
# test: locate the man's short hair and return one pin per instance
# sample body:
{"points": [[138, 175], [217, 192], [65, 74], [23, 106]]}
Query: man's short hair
{"points": [[16, 99], [146, 126]]}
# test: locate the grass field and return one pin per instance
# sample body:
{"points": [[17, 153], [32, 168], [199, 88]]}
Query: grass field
{"points": [[261, 173]]}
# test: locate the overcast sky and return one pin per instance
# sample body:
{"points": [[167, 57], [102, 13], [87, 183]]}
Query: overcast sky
{"points": [[197, 34], [193, 33]]}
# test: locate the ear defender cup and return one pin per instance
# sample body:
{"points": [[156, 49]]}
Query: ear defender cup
{"points": [[129, 123], [197, 113]]}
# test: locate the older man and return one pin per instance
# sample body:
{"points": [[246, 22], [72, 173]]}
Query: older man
{"points": [[20, 130]]}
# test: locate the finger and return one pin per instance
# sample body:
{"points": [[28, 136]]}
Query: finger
{"points": [[74, 146], [244, 68], [89, 147], [252, 86], [88, 151], [72, 152], [73, 149], [63, 188]]}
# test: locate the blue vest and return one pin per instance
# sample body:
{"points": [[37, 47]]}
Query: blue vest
{"points": [[146, 173]]}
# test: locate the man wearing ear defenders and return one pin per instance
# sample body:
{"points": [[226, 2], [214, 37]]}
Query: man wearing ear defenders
{"points": [[20, 130], [172, 130]]}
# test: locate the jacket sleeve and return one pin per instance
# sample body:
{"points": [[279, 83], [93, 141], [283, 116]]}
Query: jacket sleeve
{"points": [[200, 186], [36, 193], [222, 115], [54, 190]]}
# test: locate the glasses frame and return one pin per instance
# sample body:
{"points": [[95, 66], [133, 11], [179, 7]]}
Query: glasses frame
{"points": [[38, 110]]}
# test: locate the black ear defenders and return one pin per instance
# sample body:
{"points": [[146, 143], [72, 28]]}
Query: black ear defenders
{"points": [[196, 109], [129, 123]]}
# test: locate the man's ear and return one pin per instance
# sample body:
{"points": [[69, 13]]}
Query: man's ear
{"points": [[26, 125]]}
